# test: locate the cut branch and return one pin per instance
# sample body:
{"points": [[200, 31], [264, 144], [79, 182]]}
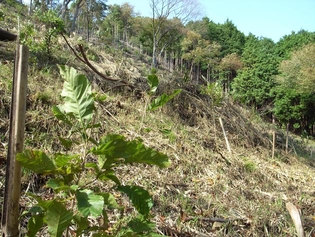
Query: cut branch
{"points": [[83, 58]]}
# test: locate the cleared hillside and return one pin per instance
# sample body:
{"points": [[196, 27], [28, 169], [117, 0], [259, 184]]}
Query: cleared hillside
{"points": [[207, 191]]}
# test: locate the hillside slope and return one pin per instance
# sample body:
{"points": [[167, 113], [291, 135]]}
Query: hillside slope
{"points": [[207, 191]]}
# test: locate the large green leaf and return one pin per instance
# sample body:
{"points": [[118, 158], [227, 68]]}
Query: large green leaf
{"points": [[34, 224], [37, 161], [60, 115], [62, 160], [77, 95], [162, 100], [89, 204], [82, 223], [57, 217], [139, 225], [115, 147], [139, 197], [110, 200], [153, 82], [57, 185]]}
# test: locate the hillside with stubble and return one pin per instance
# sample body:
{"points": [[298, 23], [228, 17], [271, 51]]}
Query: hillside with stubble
{"points": [[215, 185]]}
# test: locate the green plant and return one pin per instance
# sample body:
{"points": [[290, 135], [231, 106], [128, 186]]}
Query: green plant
{"points": [[161, 100], [1, 16], [214, 90], [42, 40], [75, 200], [249, 165]]}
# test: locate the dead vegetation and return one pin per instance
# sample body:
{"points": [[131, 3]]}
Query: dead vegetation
{"points": [[207, 191]]}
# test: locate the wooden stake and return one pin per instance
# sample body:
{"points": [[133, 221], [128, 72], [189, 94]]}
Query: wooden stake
{"points": [[225, 137], [274, 138], [10, 211]]}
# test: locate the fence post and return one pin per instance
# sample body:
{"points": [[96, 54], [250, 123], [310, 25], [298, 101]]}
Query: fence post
{"points": [[10, 210]]}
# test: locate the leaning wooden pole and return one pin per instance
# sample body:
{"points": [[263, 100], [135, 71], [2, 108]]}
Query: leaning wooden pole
{"points": [[10, 211], [274, 138], [225, 136]]}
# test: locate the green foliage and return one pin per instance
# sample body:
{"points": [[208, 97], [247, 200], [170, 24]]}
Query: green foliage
{"points": [[249, 165], [153, 82], [298, 71], [75, 202], [253, 85], [214, 90], [42, 40], [226, 35], [161, 100], [294, 107], [294, 95], [1, 16], [140, 198], [77, 96], [294, 41]]}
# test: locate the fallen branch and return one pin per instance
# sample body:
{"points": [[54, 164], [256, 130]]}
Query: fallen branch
{"points": [[85, 60]]}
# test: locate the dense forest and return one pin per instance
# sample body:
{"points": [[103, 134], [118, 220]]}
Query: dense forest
{"points": [[274, 78]]}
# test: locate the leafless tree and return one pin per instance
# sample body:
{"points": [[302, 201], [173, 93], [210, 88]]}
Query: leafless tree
{"points": [[162, 11]]}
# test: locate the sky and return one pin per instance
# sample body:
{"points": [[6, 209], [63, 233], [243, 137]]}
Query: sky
{"points": [[267, 18]]}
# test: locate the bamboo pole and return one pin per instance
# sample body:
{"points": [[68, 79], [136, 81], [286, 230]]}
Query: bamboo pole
{"points": [[10, 211], [225, 137], [274, 138]]}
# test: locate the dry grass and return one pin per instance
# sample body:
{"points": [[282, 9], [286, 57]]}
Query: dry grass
{"points": [[206, 191]]}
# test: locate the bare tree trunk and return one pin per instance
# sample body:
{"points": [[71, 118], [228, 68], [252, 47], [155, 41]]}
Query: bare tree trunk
{"points": [[76, 15], [30, 10]]}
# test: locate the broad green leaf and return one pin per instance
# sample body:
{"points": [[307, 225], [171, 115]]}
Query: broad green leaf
{"points": [[108, 174], [162, 100], [153, 82], [82, 222], [77, 95], [139, 197], [57, 185], [116, 149], [59, 114], [89, 204], [62, 160], [57, 217], [37, 161], [110, 200], [34, 224], [93, 166], [139, 225], [67, 143]]}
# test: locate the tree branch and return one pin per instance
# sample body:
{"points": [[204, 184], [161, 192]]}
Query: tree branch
{"points": [[85, 60]]}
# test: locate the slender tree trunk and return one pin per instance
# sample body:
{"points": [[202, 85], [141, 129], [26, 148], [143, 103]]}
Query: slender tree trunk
{"points": [[30, 10], [75, 16]]}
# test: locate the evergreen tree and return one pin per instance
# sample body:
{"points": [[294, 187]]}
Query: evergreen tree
{"points": [[254, 83]]}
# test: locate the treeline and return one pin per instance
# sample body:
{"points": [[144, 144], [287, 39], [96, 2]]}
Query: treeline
{"points": [[277, 79]]}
